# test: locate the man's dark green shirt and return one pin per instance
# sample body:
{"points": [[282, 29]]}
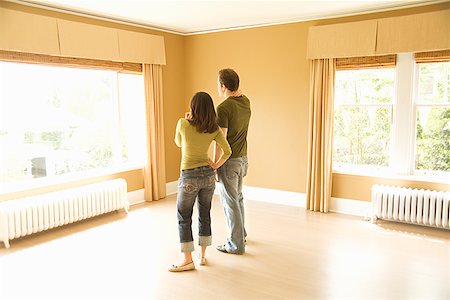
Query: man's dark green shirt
{"points": [[234, 113]]}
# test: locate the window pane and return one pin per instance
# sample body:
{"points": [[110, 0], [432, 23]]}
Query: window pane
{"points": [[132, 118], [433, 139], [364, 86], [56, 120], [434, 83], [363, 117], [362, 135]]}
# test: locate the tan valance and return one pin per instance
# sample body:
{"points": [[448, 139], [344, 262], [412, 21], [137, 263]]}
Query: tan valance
{"points": [[31, 33], [28, 33], [342, 40], [87, 41], [414, 33], [32, 58], [434, 56], [366, 62], [137, 47]]}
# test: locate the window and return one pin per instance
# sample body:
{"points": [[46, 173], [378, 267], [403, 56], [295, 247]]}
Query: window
{"points": [[363, 117], [394, 120], [59, 120], [432, 145]]}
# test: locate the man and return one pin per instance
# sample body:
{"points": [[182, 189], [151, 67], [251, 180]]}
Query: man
{"points": [[233, 117]]}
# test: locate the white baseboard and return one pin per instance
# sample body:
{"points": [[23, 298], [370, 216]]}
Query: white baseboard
{"points": [[351, 207], [171, 188], [274, 196], [136, 197], [337, 205]]}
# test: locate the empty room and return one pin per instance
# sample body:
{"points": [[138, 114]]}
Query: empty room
{"points": [[224, 149]]}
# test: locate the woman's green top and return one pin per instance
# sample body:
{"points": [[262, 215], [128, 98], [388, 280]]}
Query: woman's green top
{"points": [[195, 145]]}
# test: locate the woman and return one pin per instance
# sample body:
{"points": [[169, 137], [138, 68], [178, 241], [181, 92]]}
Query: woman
{"points": [[194, 135]]}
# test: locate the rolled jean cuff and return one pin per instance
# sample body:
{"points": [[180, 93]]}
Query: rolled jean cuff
{"points": [[187, 247], [205, 240]]}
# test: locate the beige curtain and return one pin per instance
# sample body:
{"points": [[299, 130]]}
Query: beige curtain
{"points": [[154, 169], [318, 186]]}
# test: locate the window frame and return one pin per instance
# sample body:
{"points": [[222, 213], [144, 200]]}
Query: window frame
{"points": [[343, 168], [404, 129], [79, 63], [423, 173]]}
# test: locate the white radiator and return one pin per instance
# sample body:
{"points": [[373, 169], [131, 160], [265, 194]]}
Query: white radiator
{"points": [[24, 216], [423, 207]]}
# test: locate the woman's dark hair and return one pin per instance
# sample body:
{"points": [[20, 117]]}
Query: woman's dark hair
{"points": [[203, 114], [229, 78]]}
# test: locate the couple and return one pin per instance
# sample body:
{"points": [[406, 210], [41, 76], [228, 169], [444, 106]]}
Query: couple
{"points": [[197, 179]]}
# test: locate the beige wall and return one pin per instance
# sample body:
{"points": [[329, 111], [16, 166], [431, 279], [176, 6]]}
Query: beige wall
{"points": [[271, 62]]}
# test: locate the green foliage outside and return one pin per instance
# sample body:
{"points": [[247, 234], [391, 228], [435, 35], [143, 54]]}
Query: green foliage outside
{"points": [[433, 123], [362, 117]]}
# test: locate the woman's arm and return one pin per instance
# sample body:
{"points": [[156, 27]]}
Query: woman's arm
{"points": [[218, 150], [178, 134], [224, 147]]}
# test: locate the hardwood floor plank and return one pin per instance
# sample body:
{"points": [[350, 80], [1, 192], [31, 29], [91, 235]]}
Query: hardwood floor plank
{"points": [[291, 254]]}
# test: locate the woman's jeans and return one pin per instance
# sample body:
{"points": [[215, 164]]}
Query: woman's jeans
{"points": [[194, 184], [231, 175]]}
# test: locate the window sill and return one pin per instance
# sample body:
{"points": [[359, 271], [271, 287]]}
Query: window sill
{"points": [[384, 174], [63, 179]]}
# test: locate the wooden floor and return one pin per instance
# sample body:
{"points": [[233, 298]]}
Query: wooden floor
{"points": [[291, 254]]}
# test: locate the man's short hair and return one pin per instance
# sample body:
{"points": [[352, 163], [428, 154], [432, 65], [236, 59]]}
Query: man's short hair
{"points": [[229, 78]]}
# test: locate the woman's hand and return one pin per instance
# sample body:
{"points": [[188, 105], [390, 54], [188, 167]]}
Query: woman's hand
{"points": [[216, 176], [212, 164]]}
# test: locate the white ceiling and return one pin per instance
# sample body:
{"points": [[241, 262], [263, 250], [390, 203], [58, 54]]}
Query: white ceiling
{"points": [[190, 17]]}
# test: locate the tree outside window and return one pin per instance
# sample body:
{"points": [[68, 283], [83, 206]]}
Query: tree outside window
{"points": [[433, 117], [363, 117]]}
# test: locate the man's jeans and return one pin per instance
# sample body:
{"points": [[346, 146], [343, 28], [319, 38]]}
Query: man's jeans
{"points": [[195, 183], [231, 174]]}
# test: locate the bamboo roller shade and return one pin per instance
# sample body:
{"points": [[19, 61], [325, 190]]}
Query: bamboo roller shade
{"points": [[434, 56], [366, 62], [31, 58]]}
